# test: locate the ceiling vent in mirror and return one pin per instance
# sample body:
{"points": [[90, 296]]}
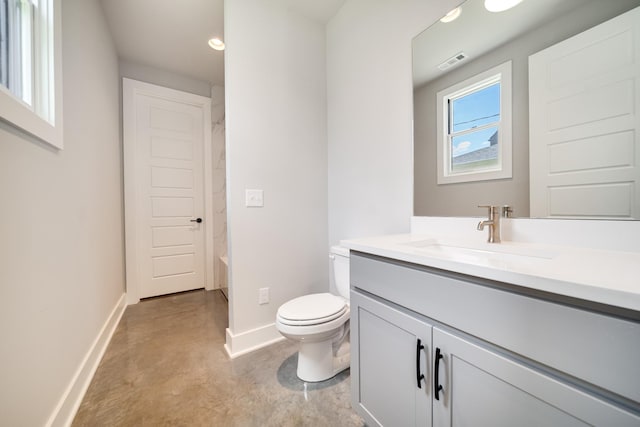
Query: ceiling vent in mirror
{"points": [[461, 56]]}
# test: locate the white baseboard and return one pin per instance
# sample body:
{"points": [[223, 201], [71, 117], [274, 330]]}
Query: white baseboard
{"points": [[251, 340], [131, 300], [70, 401]]}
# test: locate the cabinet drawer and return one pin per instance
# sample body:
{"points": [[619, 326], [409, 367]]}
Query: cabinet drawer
{"points": [[599, 349]]}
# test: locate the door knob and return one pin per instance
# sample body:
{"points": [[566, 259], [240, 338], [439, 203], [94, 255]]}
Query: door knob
{"points": [[198, 220]]}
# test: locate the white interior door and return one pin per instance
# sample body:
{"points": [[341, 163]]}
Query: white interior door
{"points": [[165, 132], [584, 106]]}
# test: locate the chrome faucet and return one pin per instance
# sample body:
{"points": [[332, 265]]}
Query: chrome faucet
{"points": [[493, 222]]}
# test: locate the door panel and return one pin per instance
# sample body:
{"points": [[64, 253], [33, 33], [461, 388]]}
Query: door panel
{"points": [[172, 207], [613, 150], [603, 200], [171, 177], [165, 117], [173, 265], [590, 106], [175, 188], [581, 64], [482, 399], [169, 148], [167, 129], [172, 236], [584, 114], [387, 393]]}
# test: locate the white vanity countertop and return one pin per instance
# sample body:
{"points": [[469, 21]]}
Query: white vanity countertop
{"points": [[608, 277]]}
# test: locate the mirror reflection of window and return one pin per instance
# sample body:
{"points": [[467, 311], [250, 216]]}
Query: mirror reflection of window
{"points": [[474, 118], [474, 136]]}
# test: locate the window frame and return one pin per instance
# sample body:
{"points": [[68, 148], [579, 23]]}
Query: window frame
{"points": [[44, 119], [501, 74]]}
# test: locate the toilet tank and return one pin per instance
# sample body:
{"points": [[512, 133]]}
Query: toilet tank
{"points": [[340, 260]]}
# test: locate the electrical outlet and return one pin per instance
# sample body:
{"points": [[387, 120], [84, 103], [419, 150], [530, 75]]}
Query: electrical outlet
{"points": [[263, 296], [254, 198]]}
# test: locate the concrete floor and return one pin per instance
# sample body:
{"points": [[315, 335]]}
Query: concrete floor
{"points": [[166, 365]]}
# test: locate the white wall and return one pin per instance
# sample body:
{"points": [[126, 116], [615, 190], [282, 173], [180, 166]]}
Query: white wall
{"points": [[219, 176], [276, 141], [156, 76], [369, 97], [61, 249]]}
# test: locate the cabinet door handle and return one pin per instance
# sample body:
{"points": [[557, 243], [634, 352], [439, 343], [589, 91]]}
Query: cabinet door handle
{"points": [[436, 377], [419, 375]]}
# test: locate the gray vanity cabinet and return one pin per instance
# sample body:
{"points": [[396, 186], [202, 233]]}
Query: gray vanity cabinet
{"points": [[484, 388], [386, 384], [482, 384]]}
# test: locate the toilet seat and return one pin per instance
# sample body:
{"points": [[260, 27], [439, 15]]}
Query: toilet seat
{"points": [[321, 325], [312, 309]]}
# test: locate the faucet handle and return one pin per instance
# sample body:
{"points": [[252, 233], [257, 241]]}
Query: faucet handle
{"points": [[507, 211], [491, 209]]}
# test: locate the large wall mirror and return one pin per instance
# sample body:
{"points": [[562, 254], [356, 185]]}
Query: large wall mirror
{"points": [[481, 137]]}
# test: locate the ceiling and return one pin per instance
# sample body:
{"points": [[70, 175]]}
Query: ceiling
{"points": [[172, 35], [318, 10], [478, 31]]}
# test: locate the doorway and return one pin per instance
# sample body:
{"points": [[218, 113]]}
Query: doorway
{"points": [[167, 180]]}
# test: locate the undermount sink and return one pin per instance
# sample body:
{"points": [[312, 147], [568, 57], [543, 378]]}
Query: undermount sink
{"points": [[454, 249]]}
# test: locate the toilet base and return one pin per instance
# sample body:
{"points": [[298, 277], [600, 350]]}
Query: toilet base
{"points": [[319, 361]]}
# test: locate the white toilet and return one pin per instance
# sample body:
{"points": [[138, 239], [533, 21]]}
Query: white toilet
{"points": [[320, 322]]}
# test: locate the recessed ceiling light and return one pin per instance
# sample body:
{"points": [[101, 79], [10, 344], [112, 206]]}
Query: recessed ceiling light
{"points": [[452, 15], [500, 5], [216, 44]]}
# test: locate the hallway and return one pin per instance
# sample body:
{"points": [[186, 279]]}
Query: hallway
{"points": [[166, 365]]}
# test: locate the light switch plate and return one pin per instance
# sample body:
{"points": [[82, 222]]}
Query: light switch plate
{"points": [[263, 296], [254, 198]]}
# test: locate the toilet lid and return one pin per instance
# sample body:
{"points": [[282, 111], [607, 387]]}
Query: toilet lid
{"points": [[314, 307]]}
